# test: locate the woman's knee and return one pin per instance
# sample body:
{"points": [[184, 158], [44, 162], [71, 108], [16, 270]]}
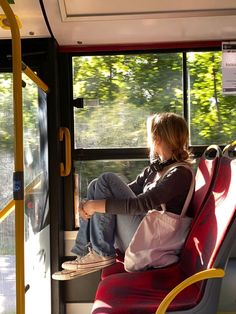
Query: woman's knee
{"points": [[107, 176], [104, 179], [91, 187]]}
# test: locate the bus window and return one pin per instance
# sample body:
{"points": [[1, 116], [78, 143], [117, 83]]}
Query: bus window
{"points": [[120, 92], [212, 115]]}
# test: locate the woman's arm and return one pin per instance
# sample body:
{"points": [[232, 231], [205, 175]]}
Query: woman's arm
{"points": [[137, 185], [93, 206], [171, 190], [90, 207]]}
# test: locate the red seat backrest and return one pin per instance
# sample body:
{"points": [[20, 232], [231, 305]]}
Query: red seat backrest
{"points": [[208, 231], [205, 176]]}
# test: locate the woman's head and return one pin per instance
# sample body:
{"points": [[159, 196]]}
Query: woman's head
{"points": [[169, 131]]}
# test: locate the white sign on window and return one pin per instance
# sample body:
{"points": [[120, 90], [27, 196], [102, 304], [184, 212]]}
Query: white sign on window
{"points": [[229, 68]]}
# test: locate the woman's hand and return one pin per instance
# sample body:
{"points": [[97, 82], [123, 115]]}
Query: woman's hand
{"points": [[93, 206], [82, 213]]}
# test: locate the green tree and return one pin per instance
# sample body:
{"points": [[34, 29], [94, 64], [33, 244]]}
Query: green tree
{"points": [[6, 112], [213, 116], [128, 88], [155, 81]]}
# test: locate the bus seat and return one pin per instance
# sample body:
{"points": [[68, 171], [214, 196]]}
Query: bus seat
{"points": [[205, 175], [230, 150], [205, 255], [204, 179]]}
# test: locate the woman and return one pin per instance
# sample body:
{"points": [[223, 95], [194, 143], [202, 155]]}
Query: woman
{"points": [[114, 209]]}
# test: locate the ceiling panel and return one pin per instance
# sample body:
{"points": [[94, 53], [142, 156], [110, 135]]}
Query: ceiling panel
{"points": [[78, 8], [97, 22], [31, 18]]}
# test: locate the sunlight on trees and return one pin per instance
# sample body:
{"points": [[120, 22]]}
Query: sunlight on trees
{"points": [[128, 88]]}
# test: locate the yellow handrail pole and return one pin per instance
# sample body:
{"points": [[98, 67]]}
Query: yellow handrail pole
{"points": [[7, 210], [34, 78], [18, 179]]}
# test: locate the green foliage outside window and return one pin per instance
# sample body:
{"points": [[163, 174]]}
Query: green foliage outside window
{"points": [[212, 115], [121, 91]]}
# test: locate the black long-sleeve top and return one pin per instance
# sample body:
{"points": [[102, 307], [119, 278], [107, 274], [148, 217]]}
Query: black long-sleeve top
{"points": [[151, 192]]}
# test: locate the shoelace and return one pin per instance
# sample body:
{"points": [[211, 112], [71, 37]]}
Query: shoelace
{"points": [[84, 258], [81, 258], [78, 258]]}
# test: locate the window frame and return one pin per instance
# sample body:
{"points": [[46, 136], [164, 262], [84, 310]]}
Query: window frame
{"points": [[139, 153]]}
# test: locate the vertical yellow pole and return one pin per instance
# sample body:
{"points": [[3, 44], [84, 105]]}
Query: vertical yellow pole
{"points": [[18, 178]]}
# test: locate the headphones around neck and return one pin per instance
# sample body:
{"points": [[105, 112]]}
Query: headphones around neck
{"points": [[158, 165]]}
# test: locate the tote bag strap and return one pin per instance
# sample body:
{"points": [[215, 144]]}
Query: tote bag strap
{"points": [[191, 189]]}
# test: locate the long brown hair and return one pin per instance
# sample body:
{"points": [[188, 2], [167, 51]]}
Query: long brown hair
{"points": [[173, 130]]}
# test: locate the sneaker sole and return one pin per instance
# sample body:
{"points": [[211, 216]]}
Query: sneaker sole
{"points": [[100, 264], [72, 274], [68, 274]]}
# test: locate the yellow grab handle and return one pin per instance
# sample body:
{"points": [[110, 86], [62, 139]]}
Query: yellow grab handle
{"points": [[34, 77], [65, 169], [7, 210], [202, 275]]}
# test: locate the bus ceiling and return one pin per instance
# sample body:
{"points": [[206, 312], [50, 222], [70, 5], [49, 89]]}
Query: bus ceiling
{"points": [[81, 23]]}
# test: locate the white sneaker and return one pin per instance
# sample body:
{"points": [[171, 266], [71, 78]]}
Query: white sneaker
{"points": [[70, 274], [70, 265], [91, 260]]}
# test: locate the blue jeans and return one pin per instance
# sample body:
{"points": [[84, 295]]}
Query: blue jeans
{"points": [[105, 232]]}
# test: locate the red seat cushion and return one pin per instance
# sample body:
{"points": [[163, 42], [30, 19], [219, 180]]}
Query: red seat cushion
{"points": [[143, 291], [116, 268]]}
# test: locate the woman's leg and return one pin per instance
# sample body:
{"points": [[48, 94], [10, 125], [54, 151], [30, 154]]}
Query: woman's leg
{"points": [[105, 229], [126, 225], [82, 241], [99, 231]]}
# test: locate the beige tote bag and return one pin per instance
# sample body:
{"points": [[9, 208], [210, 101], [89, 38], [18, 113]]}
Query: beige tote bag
{"points": [[160, 236]]}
